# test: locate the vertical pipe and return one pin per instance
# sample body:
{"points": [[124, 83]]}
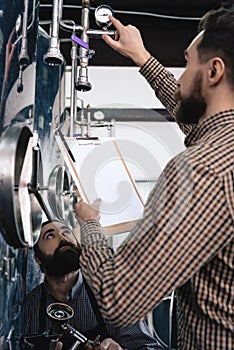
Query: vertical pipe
{"points": [[88, 120], [55, 22], [23, 56], [60, 10], [83, 84], [53, 56], [73, 105]]}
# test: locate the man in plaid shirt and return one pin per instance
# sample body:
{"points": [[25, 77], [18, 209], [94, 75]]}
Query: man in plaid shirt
{"points": [[185, 240]]}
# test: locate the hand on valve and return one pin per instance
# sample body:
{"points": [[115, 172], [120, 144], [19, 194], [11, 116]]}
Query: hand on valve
{"points": [[128, 42]]}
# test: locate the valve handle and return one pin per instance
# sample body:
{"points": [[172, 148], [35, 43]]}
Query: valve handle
{"points": [[79, 41]]}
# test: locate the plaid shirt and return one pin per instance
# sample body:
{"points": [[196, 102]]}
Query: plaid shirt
{"points": [[183, 243]]}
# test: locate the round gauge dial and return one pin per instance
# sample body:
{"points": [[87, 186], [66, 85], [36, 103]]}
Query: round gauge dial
{"points": [[102, 14], [98, 115]]}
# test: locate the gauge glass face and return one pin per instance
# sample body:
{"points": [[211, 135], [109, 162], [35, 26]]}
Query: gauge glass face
{"points": [[102, 14], [98, 115]]}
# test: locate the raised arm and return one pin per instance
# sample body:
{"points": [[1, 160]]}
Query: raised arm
{"points": [[128, 42]]}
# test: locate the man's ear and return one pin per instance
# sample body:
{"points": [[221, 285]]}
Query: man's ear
{"points": [[216, 71]]}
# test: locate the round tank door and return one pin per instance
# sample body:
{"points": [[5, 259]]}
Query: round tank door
{"points": [[20, 212]]}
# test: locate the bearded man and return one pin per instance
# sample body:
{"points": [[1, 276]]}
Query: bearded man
{"points": [[57, 252]]}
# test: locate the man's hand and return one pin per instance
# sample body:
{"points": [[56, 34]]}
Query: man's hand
{"points": [[110, 344], [128, 42], [85, 212], [107, 344], [59, 346]]}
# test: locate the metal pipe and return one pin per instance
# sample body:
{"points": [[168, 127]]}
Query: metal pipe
{"points": [[68, 329], [29, 26], [33, 187], [97, 33], [83, 84], [82, 118], [71, 27], [23, 56], [73, 113], [53, 56], [88, 120]]}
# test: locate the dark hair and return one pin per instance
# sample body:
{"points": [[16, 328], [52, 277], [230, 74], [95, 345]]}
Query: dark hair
{"points": [[50, 221], [218, 38]]}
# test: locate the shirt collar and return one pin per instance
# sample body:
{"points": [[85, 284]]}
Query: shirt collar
{"points": [[208, 125], [75, 289], [77, 286]]}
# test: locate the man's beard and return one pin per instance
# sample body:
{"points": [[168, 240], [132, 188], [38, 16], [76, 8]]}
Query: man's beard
{"points": [[61, 262], [193, 107]]}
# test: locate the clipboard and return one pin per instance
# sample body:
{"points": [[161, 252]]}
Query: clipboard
{"points": [[99, 170]]}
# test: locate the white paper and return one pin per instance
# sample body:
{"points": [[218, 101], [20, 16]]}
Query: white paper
{"points": [[99, 171]]}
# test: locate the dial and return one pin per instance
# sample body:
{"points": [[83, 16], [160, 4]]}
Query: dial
{"points": [[98, 115], [102, 14]]}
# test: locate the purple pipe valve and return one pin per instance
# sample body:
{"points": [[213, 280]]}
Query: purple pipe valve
{"points": [[79, 42]]}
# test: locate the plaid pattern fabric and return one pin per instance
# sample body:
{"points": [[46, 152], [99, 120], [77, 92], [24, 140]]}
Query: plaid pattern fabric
{"points": [[184, 242]]}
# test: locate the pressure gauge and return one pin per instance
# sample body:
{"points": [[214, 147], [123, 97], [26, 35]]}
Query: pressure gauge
{"points": [[102, 14], [99, 115]]}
